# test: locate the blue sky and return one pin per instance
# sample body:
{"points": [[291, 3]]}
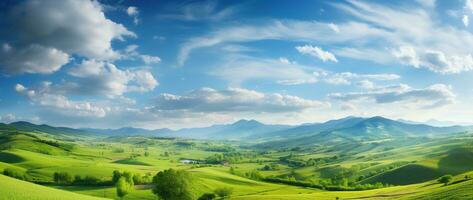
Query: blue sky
{"points": [[177, 64]]}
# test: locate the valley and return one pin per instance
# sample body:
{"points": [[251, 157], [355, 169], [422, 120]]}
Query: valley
{"points": [[350, 158]]}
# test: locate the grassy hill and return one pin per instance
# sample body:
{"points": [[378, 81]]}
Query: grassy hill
{"points": [[13, 189], [411, 162]]}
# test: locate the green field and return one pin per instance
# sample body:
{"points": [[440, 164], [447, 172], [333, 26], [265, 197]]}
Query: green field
{"points": [[407, 168]]}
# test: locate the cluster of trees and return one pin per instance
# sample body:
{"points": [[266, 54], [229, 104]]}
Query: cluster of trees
{"points": [[254, 174], [270, 167], [65, 178], [230, 157], [64, 146], [353, 187], [220, 149], [223, 193], [185, 144], [15, 173], [293, 161], [137, 178]]}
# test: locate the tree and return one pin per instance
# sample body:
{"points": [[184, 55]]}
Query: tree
{"points": [[223, 192], [123, 187], [63, 178], [128, 177], [445, 179], [116, 176], [137, 179], [146, 154], [173, 185], [207, 196]]}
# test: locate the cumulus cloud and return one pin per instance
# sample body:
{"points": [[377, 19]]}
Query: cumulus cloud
{"points": [[334, 27], [103, 78], [433, 96], [436, 61], [316, 52], [8, 118], [133, 12], [45, 97], [48, 32], [32, 59], [234, 100], [131, 52]]}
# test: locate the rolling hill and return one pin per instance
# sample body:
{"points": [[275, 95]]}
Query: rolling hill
{"points": [[14, 189]]}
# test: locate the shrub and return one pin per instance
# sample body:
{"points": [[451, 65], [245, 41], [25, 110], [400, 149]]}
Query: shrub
{"points": [[445, 179], [63, 178], [14, 173], [207, 196], [223, 192]]}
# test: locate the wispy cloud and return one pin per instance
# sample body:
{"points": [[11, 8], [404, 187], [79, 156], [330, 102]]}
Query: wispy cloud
{"points": [[433, 96]]}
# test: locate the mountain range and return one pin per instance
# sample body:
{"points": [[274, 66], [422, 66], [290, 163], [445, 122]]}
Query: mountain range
{"points": [[349, 128]]}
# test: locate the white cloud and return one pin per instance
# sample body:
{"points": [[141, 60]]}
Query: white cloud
{"points": [[282, 30], [48, 32], [199, 11], [32, 59], [133, 12], [446, 51], [102, 78], [316, 52], [61, 25], [465, 20], [345, 78], [147, 59], [239, 69], [365, 84], [234, 100], [427, 3], [436, 61], [407, 55], [469, 5], [131, 52], [45, 97], [433, 96], [381, 56], [334, 27], [8, 118], [374, 26]]}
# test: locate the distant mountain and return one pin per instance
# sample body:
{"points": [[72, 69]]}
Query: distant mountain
{"points": [[240, 130], [354, 129], [438, 123], [345, 129], [130, 131], [310, 129], [27, 126]]}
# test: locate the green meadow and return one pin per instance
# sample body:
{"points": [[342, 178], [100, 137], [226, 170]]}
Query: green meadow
{"points": [[401, 168]]}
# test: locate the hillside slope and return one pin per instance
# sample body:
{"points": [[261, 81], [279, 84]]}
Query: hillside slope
{"points": [[13, 189]]}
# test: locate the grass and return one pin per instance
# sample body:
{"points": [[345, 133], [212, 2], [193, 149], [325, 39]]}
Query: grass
{"points": [[422, 161], [13, 189]]}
